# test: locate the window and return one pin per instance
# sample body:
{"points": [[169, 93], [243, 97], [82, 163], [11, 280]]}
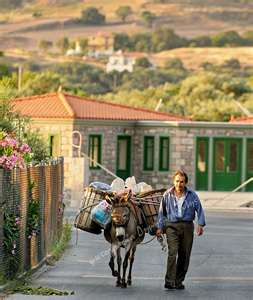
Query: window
{"points": [[95, 151], [164, 152], [54, 145], [220, 156], [202, 156], [149, 150]]}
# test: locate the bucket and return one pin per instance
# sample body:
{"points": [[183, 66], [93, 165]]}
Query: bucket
{"points": [[150, 203], [83, 219]]}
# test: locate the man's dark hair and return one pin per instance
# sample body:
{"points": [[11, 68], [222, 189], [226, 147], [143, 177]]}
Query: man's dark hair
{"points": [[181, 173]]}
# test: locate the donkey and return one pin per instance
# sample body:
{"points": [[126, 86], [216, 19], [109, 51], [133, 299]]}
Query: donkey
{"points": [[124, 232]]}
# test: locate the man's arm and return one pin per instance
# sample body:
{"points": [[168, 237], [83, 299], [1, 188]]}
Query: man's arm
{"points": [[160, 223], [200, 215]]}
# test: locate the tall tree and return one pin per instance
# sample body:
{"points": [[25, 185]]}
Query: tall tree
{"points": [[123, 12]]}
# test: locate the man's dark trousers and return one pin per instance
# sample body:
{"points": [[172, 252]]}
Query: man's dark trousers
{"points": [[179, 239]]}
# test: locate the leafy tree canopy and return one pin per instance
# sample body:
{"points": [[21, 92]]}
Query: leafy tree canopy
{"points": [[92, 16]]}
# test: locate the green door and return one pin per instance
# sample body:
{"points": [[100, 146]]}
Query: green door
{"points": [[227, 164], [249, 164], [202, 164], [123, 157]]}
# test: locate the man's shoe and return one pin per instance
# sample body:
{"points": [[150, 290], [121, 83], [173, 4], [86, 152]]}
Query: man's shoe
{"points": [[169, 286], [180, 286]]}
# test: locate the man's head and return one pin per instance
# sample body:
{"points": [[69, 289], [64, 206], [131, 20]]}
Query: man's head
{"points": [[180, 180]]}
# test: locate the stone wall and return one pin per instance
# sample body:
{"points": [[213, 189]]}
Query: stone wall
{"points": [[182, 149]]}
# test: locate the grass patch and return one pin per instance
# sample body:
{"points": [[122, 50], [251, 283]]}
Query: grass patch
{"points": [[59, 247]]}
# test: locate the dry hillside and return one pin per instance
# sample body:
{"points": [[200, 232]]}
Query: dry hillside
{"points": [[194, 57], [20, 29]]}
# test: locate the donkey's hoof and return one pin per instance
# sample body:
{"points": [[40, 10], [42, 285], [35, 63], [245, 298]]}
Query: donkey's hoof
{"points": [[114, 273], [129, 282], [124, 285], [118, 283]]}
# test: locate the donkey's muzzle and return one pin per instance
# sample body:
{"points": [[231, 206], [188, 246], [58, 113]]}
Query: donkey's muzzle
{"points": [[120, 234]]}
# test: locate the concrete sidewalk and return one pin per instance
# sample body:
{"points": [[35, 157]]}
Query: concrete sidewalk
{"points": [[241, 201]]}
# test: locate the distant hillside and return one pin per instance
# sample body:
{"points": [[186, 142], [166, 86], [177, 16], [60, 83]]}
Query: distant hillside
{"points": [[52, 19], [194, 57]]}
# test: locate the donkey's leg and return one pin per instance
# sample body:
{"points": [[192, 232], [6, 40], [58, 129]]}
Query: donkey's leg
{"points": [[119, 261], [111, 262], [129, 278], [125, 263]]}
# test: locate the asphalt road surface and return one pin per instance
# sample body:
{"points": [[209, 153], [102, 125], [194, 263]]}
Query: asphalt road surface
{"points": [[221, 266]]}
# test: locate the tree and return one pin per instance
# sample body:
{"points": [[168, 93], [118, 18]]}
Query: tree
{"points": [[141, 42], [174, 63], [123, 12], [4, 70], [209, 96], [142, 62], [148, 17], [165, 38], [231, 63], [63, 44], [201, 41], [228, 38], [39, 83], [83, 44], [121, 41], [45, 45], [92, 16]]}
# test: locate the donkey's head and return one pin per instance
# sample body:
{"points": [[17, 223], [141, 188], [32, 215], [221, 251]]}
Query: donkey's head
{"points": [[121, 214]]}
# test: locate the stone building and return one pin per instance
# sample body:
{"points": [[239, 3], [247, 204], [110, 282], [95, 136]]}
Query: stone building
{"points": [[131, 141]]}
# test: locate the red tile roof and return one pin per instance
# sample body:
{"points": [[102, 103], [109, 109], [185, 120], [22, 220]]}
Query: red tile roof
{"points": [[244, 120], [63, 105]]}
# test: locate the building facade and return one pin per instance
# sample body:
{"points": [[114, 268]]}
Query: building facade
{"points": [[149, 145]]}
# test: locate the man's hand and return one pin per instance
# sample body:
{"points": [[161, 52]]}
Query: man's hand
{"points": [[200, 230], [159, 232]]}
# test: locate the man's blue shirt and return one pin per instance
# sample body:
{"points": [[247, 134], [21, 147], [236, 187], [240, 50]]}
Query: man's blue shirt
{"points": [[190, 207]]}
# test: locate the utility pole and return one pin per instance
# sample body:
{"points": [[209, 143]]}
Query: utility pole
{"points": [[159, 104], [19, 77]]}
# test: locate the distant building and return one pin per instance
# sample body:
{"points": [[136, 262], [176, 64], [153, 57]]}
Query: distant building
{"points": [[123, 61], [100, 45]]}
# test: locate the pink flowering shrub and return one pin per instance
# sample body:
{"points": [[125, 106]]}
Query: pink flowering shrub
{"points": [[12, 152]]}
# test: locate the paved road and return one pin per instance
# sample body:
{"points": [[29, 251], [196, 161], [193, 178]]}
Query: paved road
{"points": [[221, 266]]}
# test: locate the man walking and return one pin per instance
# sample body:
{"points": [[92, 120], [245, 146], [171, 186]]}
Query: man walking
{"points": [[176, 214]]}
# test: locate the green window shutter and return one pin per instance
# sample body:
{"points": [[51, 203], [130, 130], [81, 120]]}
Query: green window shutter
{"points": [[149, 151], [95, 151], [164, 153]]}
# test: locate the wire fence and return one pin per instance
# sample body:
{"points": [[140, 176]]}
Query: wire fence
{"points": [[31, 216]]}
